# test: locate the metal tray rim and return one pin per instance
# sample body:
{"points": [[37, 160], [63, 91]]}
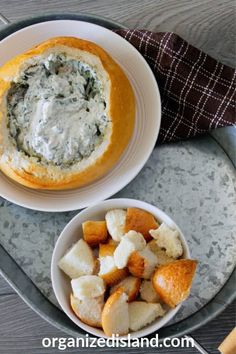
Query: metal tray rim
{"points": [[22, 283]]}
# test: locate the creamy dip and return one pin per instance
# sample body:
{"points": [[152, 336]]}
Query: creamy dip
{"points": [[57, 111]]}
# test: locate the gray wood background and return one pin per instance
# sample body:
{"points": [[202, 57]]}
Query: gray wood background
{"points": [[207, 24]]}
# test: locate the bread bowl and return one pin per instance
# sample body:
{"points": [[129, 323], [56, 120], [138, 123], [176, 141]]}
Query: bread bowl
{"points": [[67, 113]]}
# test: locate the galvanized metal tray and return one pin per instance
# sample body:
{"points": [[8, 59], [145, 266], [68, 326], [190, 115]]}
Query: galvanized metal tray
{"points": [[193, 181]]}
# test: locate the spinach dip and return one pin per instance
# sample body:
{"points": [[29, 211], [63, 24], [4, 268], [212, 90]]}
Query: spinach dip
{"points": [[56, 110]]}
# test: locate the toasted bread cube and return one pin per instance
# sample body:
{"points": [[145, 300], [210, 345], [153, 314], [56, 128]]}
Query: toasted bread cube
{"points": [[130, 285], [141, 221], [142, 313], [109, 272], [87, 286], [115, 220], [79, 260], [173, 281], [141, 264], [97, 266], [88, 310], [148, 293], [122, 253], [115, 314], [160, 253], [136, 238], [107, 249], [130, 242], [94, 232], [169, 240]]}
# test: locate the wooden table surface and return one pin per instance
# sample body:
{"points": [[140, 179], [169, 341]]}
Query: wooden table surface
{"points": [[209, 25]]}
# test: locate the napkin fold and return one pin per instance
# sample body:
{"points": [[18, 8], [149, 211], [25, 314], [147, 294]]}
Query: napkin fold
{"points": [[197, 92]]}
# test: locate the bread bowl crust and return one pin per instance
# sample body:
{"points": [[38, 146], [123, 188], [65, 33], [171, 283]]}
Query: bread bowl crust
{"points": [[121, 113]]}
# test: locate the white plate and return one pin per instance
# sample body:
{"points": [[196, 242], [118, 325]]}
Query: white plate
{"points": [[148, 116], [73, 232]]}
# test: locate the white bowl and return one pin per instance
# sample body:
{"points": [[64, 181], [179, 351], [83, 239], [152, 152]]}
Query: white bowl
{"points": [[73, 232], [147, 123]]}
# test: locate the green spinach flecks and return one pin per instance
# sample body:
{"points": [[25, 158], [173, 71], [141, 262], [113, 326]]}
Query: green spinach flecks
{"points": [[57, 111]]}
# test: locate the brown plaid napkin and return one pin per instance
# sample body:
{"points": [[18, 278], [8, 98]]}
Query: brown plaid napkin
{"points": [[198, 93]]}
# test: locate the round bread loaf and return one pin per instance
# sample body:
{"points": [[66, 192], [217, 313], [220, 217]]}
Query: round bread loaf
{"points": [[67, 112]]}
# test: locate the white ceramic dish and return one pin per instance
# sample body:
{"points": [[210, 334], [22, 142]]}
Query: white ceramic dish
{"points": [[148, 116], [73, 231]]}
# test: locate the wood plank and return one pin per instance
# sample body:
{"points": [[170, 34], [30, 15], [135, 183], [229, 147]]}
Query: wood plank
{"points": [[22, 329], [5, 287], [213, 333], [209, 25], [21, 320]]}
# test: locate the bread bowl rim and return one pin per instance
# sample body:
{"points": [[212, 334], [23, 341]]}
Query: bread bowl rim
{"points": [[122, 106]]}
